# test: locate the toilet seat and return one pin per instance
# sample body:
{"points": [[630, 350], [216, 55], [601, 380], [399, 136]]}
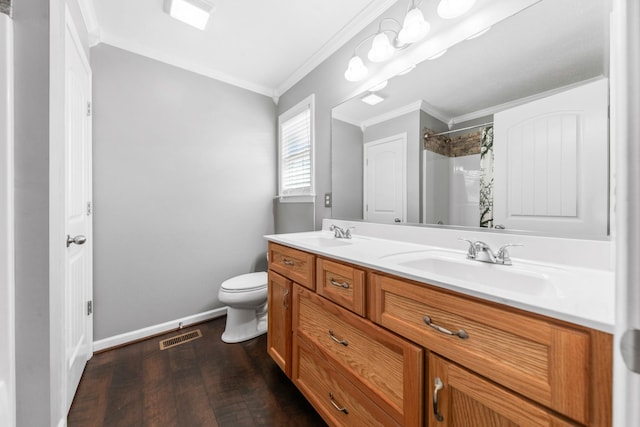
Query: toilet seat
{"points": [[245, 282]]}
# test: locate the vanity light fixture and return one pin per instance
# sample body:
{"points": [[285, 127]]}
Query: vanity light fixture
{"points": [[372, 99], [450, 9], [193, 12], [382, 48]]}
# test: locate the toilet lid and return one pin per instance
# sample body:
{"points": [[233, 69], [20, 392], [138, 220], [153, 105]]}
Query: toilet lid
{"points": [[246, 282]]}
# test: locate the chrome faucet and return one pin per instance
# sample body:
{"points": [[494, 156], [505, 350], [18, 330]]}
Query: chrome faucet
{"points": [[480, 251], [341, 233]]}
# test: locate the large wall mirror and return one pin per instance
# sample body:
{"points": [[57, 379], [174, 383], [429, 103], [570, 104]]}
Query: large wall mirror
{"points": [[517, 131]]}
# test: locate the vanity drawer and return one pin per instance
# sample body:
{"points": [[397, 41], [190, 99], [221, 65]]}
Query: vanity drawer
{"points": [[540, 359], [292, 264], [337, 400], [389, 368], [342, 284]]}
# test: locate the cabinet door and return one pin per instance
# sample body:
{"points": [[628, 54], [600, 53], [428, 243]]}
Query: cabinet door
{"points": [[460, 398], [279, 321]]}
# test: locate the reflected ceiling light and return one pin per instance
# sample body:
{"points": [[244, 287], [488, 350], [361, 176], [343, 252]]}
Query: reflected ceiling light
{"points": [[379, 86], [437, 55], [479, 33], [450, 9], [193, 12], [382, 47], [372, 99]]}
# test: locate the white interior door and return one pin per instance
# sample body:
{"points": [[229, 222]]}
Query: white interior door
{"points": [[385, 180], [550, 168], [78, 264]]}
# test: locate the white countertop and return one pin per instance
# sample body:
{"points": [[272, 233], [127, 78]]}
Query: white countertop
{"points": [[584, 296]]}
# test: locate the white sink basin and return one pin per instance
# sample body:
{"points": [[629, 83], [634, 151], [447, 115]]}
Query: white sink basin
{"points": [[521, 279]]}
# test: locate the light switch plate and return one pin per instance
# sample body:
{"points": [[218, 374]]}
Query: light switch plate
{"points": [[327, 200]]}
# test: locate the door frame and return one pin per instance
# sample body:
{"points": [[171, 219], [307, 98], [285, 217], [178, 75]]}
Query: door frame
{"points": [[61, 18], [7, 256], [625, 185], [367, 145]]}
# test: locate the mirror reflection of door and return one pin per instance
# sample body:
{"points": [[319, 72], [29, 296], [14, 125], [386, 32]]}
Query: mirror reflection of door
{"points": [[385, 180]]}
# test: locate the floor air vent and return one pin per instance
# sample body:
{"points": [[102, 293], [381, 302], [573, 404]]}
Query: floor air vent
{"points": [[180, 339]]}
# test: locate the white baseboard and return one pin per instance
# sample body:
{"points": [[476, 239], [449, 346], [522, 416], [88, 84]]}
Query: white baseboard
{"points": [[125, 338]]}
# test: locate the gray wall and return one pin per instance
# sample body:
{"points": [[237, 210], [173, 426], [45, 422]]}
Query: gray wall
{"points": [[31, 108], [330, 87], [184, 177], [346, 170]]}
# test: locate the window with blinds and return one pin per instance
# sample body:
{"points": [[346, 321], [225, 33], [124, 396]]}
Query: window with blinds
{"points": [[296, 135]]}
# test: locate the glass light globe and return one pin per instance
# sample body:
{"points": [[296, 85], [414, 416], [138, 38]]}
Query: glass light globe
{"points": [[450, 9], [381, 48], [414, 27], [356, 70]]}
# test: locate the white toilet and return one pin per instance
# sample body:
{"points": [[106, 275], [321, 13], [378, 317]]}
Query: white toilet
{"points": [[246, 297]]}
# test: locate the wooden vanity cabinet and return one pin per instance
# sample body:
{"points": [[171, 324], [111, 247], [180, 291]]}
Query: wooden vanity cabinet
{"points": [[459, 398], [286, 267], [563, 367], [342, 284], [279, 320], [386, 368], [498, 365]]}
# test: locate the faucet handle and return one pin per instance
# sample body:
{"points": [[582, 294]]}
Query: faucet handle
{"points": [[471, 253], [347, 232], [503, 257]]}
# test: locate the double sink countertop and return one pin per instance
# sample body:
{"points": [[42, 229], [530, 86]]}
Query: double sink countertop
{"points": [[576, 294]]}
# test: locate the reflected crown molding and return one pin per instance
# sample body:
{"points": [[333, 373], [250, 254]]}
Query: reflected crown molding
{"points": [[420, 105]]}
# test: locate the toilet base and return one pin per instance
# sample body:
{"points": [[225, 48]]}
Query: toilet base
{"points": [[244, 324]]}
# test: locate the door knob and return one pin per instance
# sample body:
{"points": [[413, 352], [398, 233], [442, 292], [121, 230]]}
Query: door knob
{"points": [[78, 240], [397, 220]]}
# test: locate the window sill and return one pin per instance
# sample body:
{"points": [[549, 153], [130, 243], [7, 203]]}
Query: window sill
{"points": [[308, 198]]}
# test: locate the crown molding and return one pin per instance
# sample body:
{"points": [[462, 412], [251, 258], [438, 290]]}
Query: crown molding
{"points": [[346, 118], [88, 12], [186, 65], [517, 102], [420, 105], [349, 31]]}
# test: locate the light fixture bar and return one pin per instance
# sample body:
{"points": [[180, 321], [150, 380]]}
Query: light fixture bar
{"points": [[193, 12]]}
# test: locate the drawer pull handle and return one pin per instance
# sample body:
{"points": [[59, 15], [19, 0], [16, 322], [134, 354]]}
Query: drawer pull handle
{"points": [[438, 385], [339, 341], [461, 333], [285, 299], [339, 284], [286, 261], [335, 405]]}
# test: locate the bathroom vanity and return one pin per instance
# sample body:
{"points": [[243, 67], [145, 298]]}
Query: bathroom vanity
{"points": [[373, 333]]}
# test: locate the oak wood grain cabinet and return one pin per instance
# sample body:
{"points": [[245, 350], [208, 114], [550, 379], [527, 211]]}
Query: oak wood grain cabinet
{"points": [[286, 266], [459, 398], [370, 348], [386, 368], [563, 367]]}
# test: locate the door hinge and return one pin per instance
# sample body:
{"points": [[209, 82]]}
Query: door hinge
{"points": [[89, 208], [89, 307], [89, 108]]}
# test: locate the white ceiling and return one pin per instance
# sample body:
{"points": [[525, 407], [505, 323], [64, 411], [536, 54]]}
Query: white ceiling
{"points": [[264, 46]]}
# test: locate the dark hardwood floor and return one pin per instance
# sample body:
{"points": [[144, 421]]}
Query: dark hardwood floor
{"points": [[204, 382]]}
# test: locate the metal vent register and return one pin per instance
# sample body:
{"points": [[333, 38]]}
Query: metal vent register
{"points": [[180, 339]]}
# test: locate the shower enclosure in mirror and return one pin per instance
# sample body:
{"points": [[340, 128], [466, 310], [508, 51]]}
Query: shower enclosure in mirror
{"points": [[507, 129]]}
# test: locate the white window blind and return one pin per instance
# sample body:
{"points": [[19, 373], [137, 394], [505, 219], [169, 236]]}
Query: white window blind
{"points": [[296, 150]]}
